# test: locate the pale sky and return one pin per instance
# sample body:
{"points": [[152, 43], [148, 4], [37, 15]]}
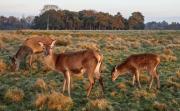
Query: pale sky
{"points": [[153, 10]]}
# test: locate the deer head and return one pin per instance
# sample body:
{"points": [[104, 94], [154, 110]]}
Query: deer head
{"points": [[14, 63], [47, 49]]}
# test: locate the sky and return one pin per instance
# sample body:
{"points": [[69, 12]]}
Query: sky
{"points": [[153, 10]]}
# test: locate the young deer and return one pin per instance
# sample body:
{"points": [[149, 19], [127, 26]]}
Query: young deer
{"points": [[72, 63], [30, 47], [136, 63]]}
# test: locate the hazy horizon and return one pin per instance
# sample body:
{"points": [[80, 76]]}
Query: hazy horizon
{"points": [[152, 10]]}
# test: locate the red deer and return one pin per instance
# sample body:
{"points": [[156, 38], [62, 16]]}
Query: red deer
{"points": [[137, 63], [72, 63], [30, 47]]}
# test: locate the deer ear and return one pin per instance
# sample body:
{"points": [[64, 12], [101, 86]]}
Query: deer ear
{"points": [[41, 44], [116, 68], [53, 43]]}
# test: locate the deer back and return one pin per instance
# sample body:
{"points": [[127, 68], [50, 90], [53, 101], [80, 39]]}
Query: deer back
{"points": [[76, 60], [143, 60], [33, 43]]}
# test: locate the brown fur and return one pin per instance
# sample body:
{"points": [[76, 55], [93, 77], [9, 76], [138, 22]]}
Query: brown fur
{"points": [[30, 47], [75, 62], [136, 63]]}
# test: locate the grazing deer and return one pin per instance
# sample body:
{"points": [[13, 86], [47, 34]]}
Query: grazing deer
{"points": [[30, 47], [136, 63], [73, 63]]}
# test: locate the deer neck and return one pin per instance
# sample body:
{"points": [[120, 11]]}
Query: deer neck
{"points": [[122, 68], [51, 60]]}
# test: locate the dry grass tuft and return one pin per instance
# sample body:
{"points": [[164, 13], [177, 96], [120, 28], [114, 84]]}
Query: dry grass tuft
{"points": [[112, 46], [52, 84], [150, 42], [178, 74], [57, 101], [143, 93], [159, 106], [113, 93], [63, 42], [40, 101], [144, 78], [173, 81], [98, 105], [40, 83], [53, 101], [1, 44], [135, 44], [3, 66], [14, 94], [122, 86], [168, 52], [87, 45], [173, 46], [3, 107], [168, 55]]}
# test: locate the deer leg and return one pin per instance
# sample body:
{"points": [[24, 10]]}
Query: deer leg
{"points": [[152, 73], [157, 78], [91, 81], [30, 60], [64, 85], [137, 78], [151, 81], [133, 82], [68, 83]]}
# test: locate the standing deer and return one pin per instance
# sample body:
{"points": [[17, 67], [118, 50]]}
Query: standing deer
{"points": [[136, 63], [30, 47], [72, 63]]}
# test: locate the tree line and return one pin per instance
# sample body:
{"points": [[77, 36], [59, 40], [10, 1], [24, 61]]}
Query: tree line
{"points": [[83, 20], [70, 20], [87, 20], [162, 25], [11, 22]]}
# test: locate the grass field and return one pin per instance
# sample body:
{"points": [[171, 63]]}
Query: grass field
{"points": [[40, 88]]}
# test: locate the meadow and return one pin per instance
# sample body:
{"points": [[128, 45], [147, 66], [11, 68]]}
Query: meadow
{"points": [[39, 88]]}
